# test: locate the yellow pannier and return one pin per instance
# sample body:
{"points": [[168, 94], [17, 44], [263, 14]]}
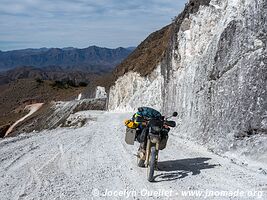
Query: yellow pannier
{"points": [[130, 124]]}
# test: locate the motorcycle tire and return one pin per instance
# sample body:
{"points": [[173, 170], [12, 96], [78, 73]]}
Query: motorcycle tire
{"points": [[152, 165]]}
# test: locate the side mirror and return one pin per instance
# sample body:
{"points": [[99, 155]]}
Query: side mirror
{"points": [[175, 114], [171, 123]]}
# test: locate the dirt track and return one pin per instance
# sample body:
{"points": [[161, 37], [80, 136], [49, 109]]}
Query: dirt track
{"points": [[94, 162]]}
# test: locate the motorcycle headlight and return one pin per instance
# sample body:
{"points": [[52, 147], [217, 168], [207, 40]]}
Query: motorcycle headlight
{"points": [[154, 139], [156, 129]]}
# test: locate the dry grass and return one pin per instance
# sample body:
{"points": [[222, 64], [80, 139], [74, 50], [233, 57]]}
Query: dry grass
{"points": [[147, 55]]}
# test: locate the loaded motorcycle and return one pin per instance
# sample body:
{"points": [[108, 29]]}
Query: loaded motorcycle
{"points": [[156, 133]]}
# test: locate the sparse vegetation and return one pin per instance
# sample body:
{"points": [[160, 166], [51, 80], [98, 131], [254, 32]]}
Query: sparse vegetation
{"points": [[39, 81], [59, 84], [83, 84], [71, 83], [64, 84]]}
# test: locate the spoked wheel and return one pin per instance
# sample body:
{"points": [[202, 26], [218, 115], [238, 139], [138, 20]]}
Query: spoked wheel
{"points": [[152, 164]]}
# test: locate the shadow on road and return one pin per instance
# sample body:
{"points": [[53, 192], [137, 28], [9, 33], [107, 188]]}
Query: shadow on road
{"points": [[178, 169]]}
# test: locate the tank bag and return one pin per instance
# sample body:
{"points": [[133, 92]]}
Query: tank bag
{"points": [[148, 112]]}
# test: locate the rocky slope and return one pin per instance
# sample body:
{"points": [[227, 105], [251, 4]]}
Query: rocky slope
{"points": [[213, 72], [16, 95], [59, 114]]}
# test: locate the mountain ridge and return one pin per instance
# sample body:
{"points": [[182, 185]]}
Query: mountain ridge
{"points": [[92, 58]]}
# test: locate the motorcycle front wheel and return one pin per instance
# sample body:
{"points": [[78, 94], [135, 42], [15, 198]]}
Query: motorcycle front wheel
{"points": [[152, 164]]}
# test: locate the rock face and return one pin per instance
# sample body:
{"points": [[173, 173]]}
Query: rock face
{"points": [[213, 75], [100, 93], [132, 91]]}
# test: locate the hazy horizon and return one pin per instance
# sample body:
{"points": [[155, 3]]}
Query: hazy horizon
{"points": [[82, 23], [64, 48]]}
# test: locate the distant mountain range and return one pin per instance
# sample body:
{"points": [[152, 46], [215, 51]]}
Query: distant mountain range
{"points": [[92, 59], [46, 73]]}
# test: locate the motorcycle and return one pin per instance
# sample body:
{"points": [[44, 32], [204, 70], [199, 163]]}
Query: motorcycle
{"points": [[157, 136]]}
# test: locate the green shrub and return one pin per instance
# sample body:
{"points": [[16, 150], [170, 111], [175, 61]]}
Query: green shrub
{"points": [[83, 84]]}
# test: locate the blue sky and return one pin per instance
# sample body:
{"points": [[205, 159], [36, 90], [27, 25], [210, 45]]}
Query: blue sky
{"points": [[82, 23]]}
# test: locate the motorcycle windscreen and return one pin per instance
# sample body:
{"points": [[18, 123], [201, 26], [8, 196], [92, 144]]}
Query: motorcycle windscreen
{"points": [[156, 125]]}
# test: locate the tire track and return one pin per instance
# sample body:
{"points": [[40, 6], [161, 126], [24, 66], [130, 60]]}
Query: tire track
{"points": [[15, 164]]}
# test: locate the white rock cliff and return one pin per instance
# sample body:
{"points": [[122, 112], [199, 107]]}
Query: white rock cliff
{"points": [[214, 76]]}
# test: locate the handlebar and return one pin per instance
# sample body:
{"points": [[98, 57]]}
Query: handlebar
{"points": [[165, 121]]}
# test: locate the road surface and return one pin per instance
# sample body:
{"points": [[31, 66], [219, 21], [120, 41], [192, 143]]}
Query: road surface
{"points": [[94, 162]]}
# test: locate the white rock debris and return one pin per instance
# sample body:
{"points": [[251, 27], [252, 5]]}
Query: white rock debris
{"points": [[100, 93]]}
